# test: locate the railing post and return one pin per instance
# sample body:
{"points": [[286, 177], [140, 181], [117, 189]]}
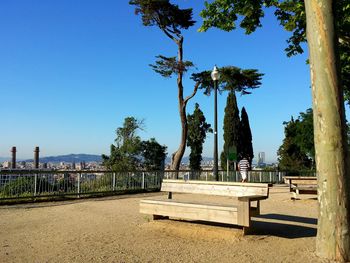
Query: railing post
{"points": [[260, 173], [279, 177], [206, 176], [79, 175], [113, 182], [35, 183], [270, 177], [143, 180]]}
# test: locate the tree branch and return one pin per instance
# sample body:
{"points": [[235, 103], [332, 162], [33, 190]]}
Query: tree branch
{"points": [[169, 35], [166, 31], [193, 93]]}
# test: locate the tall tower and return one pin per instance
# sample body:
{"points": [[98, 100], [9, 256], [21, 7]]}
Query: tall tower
{"points": [[36, 157], [261, 158], [13, 163]]}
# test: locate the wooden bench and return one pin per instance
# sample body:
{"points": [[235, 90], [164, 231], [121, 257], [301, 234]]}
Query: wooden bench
{"points": [[301, 185], [229, 213]]}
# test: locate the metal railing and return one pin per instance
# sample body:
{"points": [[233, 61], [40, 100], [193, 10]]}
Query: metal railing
{"points": [[45, 183], [16, 184], [254, 176], [232, 176]]}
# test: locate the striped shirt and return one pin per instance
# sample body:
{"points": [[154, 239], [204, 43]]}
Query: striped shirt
{"points": [[243, 165]]}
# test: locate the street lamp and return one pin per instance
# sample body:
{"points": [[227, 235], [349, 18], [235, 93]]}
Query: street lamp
{"points": [[215, 77]]}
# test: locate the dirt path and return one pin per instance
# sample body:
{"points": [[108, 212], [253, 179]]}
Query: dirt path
{"points": [[112, 230]]}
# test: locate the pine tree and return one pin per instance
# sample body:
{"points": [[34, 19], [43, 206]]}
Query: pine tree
{"points": [[231, 127], [171, 20], [246, 145], [197, 130]]}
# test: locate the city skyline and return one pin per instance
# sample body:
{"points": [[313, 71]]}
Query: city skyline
{"points": [[70, 73]]}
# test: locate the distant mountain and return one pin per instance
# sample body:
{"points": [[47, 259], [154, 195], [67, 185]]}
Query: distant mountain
{"points": [[70, 158]]}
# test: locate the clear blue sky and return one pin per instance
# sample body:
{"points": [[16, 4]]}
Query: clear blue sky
{"points": [[71, 71]]}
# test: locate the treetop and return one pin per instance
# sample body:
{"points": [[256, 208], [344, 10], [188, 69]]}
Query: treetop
{"points": [[231, 79], [162, 13]]}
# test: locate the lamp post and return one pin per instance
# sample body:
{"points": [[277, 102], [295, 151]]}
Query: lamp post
{"points": [[215, 77]]}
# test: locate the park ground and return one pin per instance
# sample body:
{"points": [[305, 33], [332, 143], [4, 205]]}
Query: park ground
{"points": [[112, 230]]}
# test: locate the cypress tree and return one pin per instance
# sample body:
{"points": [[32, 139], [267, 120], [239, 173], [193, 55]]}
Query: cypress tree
{"points": [[231, 127], [246, 145], [197, 130]]}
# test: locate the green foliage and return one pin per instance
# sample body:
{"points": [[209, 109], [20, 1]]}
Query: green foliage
{"points": [[305, 133], [170, 19], [246, 144], [163, 14], [24, 186], [297, 151], [126, 153], [131, 153], [231, 128], [167, 66], [197, 132], [20, 186], [154, 155], [223, 14], [231, 79]]}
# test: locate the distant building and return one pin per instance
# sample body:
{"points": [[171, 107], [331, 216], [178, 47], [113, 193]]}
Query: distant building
{"points": [[6, 164], [261, 159]]}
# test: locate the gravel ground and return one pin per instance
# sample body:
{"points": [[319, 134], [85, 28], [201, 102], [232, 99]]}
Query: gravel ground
{"points": [[113, 230]]}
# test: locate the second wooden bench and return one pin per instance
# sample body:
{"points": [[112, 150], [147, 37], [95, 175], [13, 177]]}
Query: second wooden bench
{"points": [[301, 185]]}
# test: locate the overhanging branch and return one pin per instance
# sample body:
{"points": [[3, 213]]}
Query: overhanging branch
{"points": [[193, 93]]}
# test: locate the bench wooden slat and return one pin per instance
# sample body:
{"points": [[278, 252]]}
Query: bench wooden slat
{"points": [[215, 188], [303, 181], [191, 211]]}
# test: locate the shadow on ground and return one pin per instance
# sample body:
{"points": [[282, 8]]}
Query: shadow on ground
{"points": [[284, 230], [300, 219], [290, 227]]}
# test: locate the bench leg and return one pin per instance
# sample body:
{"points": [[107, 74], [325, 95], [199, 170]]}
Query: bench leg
{"points": [[295, 194], [158, 217], [243, 213], [246, 230]]}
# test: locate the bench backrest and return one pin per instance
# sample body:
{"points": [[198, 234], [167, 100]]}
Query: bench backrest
{"points": [[215, 188]]}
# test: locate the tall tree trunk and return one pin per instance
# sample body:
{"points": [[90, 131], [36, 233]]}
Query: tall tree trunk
{"points": [[333, 241], [177, 156]]}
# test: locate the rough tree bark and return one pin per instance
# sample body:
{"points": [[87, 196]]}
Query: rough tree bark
{"points": [[333, 241]]}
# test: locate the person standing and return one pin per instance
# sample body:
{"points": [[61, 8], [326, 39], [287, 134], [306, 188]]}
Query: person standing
{"points": [[243, 167]]}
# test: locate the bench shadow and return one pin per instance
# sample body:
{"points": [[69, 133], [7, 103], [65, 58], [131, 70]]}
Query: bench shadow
{"points": [[289, 231], [264, 228], [300, 219]]}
